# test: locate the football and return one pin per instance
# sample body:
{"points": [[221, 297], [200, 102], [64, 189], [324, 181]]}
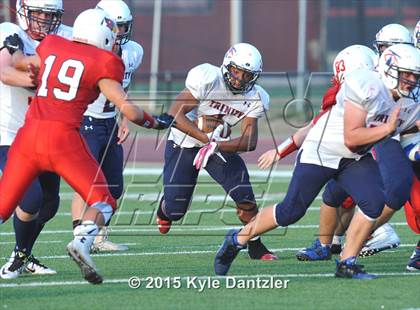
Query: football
{"points": [[208, 123]]}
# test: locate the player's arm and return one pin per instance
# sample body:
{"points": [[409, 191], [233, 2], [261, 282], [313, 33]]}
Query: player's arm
{"points": [[115, 93], [23, 63], [123, 128], [9, 75], [356, 134], [247, 141], [184, 103]]}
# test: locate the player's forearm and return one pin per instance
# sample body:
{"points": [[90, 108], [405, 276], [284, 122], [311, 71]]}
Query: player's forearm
{"points": [[185, 125], [358, 137], [12, 77], [138, 116], [241, 144]]}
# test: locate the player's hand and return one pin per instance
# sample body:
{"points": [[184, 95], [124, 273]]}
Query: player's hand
{"points": [[13, 43], [216, 135], [123, 131], [392, 122], [267, 159], [163, 121], [203, 155]]}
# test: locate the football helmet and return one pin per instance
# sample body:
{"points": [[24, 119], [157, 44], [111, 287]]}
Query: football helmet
{"points": [[120, 12], [30, 17], [392, 34], [396, 59], [244, 57], [95, 27], [416, 35], [352, 58]]}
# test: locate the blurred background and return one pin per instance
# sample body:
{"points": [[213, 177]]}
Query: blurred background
{"points": [[297, 38]]}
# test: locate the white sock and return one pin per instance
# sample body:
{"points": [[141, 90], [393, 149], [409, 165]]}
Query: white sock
{"points": [[86, 232]]}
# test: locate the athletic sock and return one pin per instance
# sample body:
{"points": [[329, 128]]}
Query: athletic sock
{"points": [[23, 233]]}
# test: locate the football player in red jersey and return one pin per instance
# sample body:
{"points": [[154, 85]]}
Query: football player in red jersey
{"points": [[71, 76]]}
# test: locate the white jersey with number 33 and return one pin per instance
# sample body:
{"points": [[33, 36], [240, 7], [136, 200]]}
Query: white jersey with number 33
{"points": [[324, 144], [14, 100]]}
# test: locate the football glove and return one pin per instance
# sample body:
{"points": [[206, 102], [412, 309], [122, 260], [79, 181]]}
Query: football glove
{"points": [[13, 43], [164, 120]]}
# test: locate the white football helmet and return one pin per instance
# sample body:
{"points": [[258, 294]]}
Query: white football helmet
{"points": [[392, 34], [120, 12], [245, 57], [400, 58], [95, 27], [352, 58], [416, 35], [38, 27]]}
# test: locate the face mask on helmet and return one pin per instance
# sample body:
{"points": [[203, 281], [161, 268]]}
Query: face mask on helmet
{"points": [[392, 34], [39, 18], [241, 67], [120, 12], [399, 68]]}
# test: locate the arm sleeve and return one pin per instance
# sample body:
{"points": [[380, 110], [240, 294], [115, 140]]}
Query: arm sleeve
{"points": [[112, 68]]}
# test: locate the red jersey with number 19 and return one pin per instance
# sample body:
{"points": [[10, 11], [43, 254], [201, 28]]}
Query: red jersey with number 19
{"points": [[68, 79]]}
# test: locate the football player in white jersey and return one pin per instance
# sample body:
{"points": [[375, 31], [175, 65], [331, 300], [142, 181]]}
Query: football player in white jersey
{"points": [[391, 34], [229, 94], [370, 107], [36, 19], [100, 129]]}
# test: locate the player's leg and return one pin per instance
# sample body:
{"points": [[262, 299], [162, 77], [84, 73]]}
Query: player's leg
{"points": [[18, 174], [397, 175], [233, 176], [413, 217], [179, 180], [306, 183], [50, 186], [362, 181], [112, 166], [320, 249], [82, 172]]}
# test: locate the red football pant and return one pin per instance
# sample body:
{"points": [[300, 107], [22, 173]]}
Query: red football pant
{"points": [[412, 207], [51, 146]]}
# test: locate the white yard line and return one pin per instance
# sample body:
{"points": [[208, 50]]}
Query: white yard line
{"points": [[179, 228], [185, 278]]}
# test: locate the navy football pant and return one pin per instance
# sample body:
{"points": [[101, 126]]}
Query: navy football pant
{"points": [[180, 178], [41, 196], [101, 137], [396, 171], [361, 179]]}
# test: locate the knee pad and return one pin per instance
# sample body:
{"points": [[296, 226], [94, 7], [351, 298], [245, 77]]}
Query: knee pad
{"points": [[246, 211], [49, 209]]}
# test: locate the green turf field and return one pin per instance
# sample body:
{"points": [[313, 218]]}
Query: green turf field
{"points": [[188, 251]]}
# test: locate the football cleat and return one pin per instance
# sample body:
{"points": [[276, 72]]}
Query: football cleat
{"points": [[383, 238], [34, 267], [226, 253], [15, 265], [163, 225], [102, 244], [350, 270], [414, 262], [257, 250], [314, 253], [79, 252]]}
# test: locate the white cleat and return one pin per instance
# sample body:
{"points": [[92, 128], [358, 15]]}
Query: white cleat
{"points": [[14, 266], [102, 244], [34, 267], [79, 252], [383, 238]]}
